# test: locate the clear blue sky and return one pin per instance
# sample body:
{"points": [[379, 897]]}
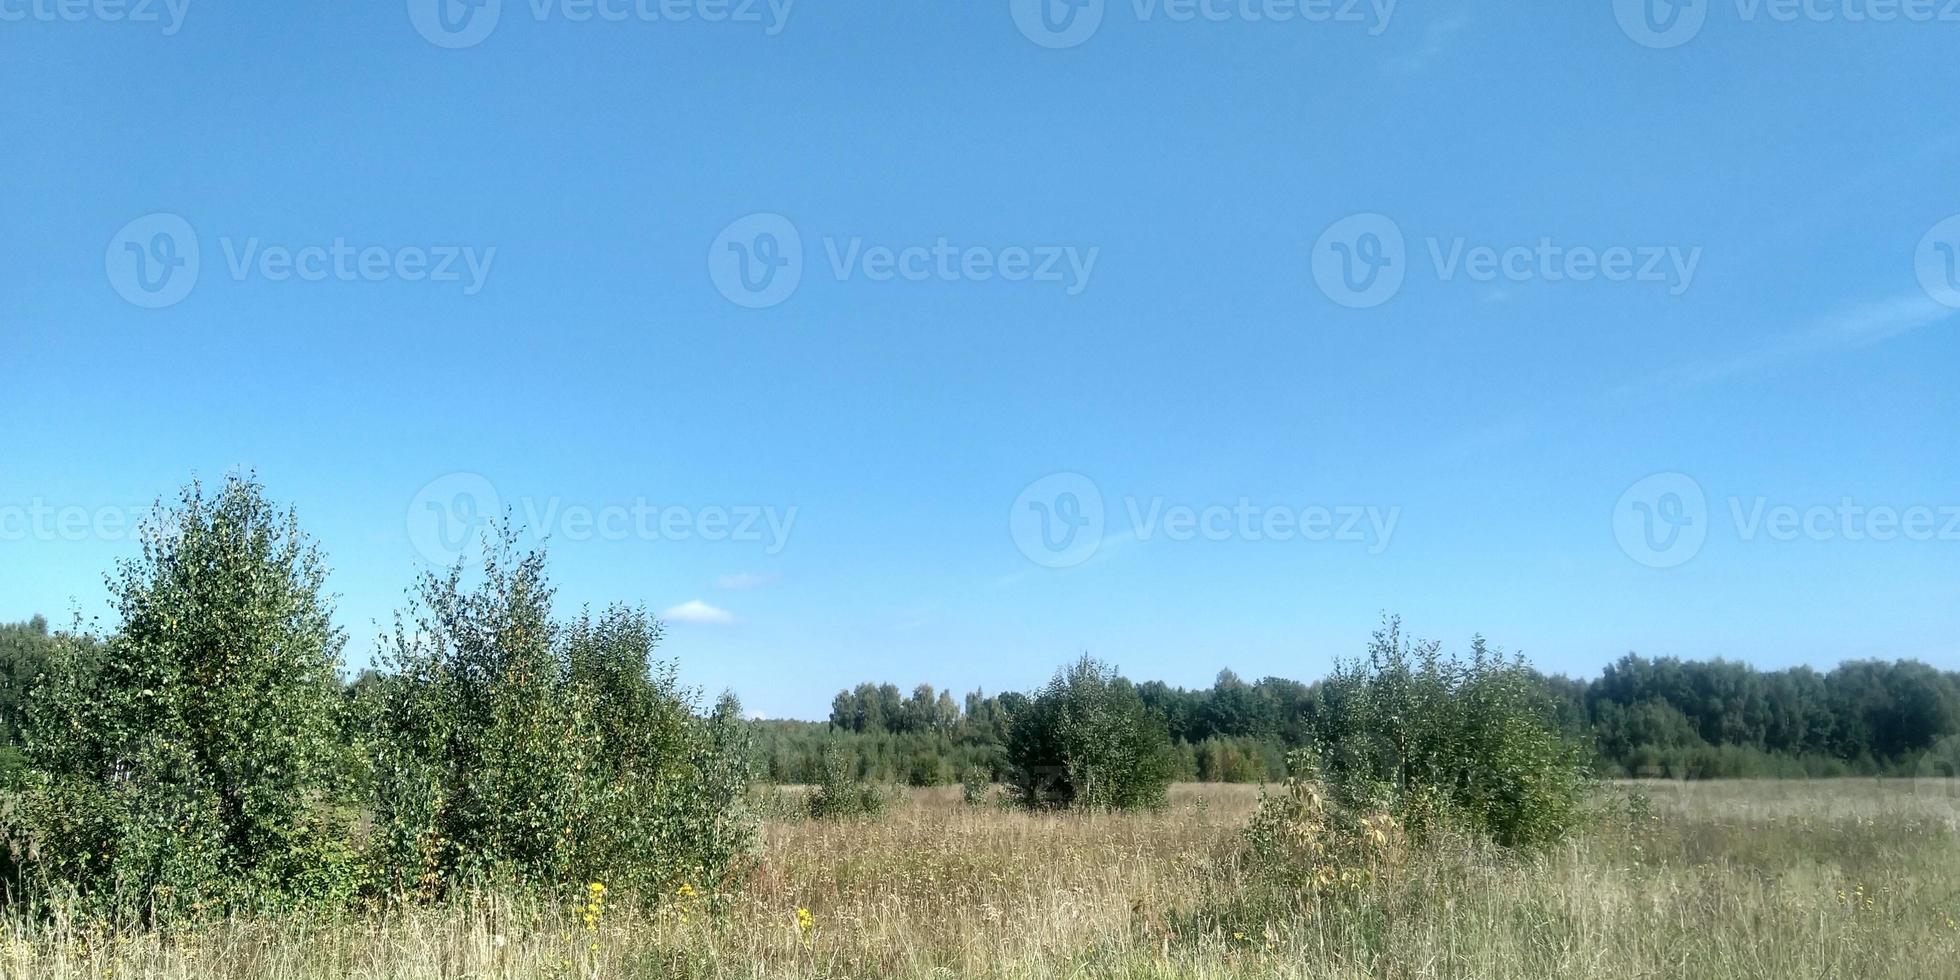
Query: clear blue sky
{"points": [[1503, 421]]}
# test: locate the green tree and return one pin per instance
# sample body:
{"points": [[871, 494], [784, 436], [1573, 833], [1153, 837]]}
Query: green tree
{"points": [[189, 759], [24, 652], [1431, 738], [510, 748], [1087, 740]]}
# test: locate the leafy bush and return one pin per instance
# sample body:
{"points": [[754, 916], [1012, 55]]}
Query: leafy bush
{"points": [[841, 793], [1302, 841], [1086, 740], [24, 651], [976, 786], [1431, 738], [190, 759], [510, 748]]}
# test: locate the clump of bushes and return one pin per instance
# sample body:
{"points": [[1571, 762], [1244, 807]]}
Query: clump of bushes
{"points": [[191, 758], [202, 757], [1412, 745], [1303, 841], [1434, 739], [975, 786], [510, 747], [841, 793], [1086, 740]]}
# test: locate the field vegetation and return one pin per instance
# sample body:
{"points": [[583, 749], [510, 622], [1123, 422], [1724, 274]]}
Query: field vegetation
{"points": [[520, 793], [1712, 881]]}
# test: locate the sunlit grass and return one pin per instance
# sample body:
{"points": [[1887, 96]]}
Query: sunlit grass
{"points": [[1853, 879]]}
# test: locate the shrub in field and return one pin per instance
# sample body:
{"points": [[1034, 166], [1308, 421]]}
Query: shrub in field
{"points": [[190, 758], [975, 786], [841, 793], [1429, 737], [1303, 841], [1087, 740], [510, 748]]}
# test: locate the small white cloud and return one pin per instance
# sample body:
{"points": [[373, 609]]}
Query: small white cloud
{"points": [[747, 580], [696, 611]]}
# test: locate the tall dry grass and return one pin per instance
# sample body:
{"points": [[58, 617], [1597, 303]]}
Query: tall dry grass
{"points": [[1852, 879]]}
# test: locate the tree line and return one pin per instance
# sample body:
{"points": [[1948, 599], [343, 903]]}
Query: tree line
{"points": [[1663, 717]]}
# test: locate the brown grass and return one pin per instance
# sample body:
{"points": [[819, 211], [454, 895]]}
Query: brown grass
{"points": [[1733, 880]]}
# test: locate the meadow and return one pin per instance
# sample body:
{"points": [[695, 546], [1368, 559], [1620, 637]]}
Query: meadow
{"points": [[1716, 880]]}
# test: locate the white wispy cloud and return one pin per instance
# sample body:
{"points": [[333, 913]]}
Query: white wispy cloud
{"points": [[696, 611], [747, 580], [1849, 329]]}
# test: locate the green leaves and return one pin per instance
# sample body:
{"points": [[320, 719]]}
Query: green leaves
{"points": [[190, 758], [202, 756], [1431, 737], [1087, 740], [513, 747]]}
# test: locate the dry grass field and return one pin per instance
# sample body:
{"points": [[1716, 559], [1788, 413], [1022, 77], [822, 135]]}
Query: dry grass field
{"points": [[1851, 879]]}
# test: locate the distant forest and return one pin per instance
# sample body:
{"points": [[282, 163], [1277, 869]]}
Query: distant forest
{"points": [[1663, 717], [1678, 719]]}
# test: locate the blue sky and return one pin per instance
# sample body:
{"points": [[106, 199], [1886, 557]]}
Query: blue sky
{"points": [[1649, 296]]}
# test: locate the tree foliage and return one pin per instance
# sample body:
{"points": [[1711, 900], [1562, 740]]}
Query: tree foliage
{"points": [[203, 755], [1087, 740], [511, 748], [24, 652], [1432, 738], [190, 758]]}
